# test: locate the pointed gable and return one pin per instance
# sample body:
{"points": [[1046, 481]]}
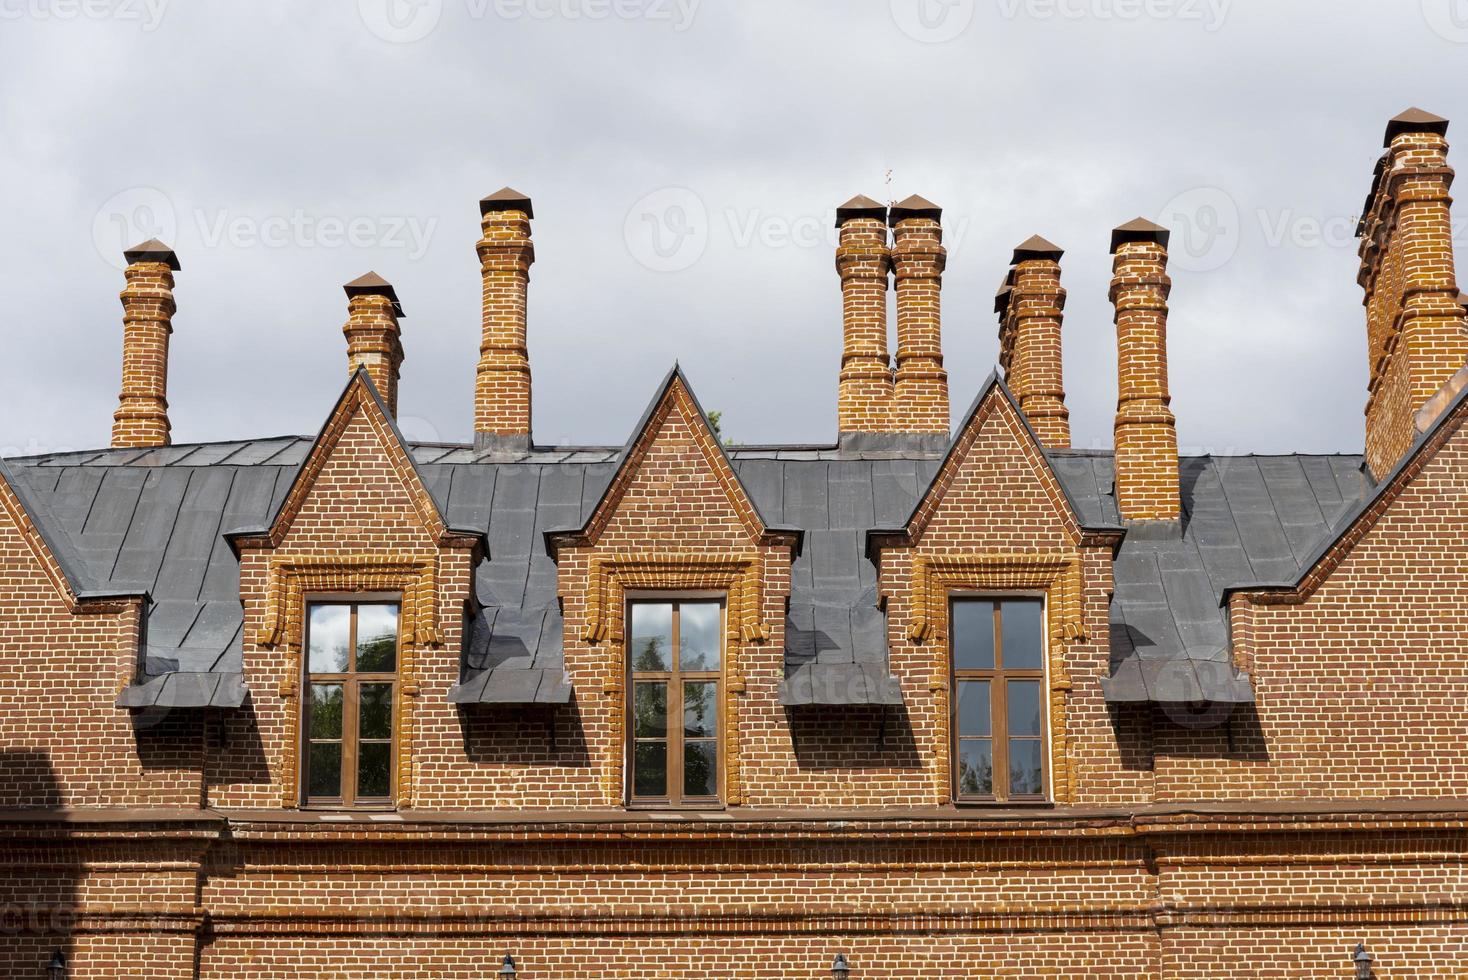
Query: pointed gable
{"points": [[360, 455], [663, 479], [994, 469], [51, 546]]}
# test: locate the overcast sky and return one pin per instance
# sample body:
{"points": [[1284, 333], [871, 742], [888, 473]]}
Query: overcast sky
{"points": [[685, 159]]}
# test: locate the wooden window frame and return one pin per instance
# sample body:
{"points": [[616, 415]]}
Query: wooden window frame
{"points": [[351, 682], [674, 678], [998, 678]]}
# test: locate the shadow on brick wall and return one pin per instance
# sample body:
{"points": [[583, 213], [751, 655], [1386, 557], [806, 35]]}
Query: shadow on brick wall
{"points": [[1221, 731], [38, 885], [234, 753], [1132, 726], [511, 734], [864, 737]]}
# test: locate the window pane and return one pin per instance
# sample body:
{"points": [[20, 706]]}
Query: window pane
{"points": [[649, 709], [973, 635], [1024, 707], [1021, 629], [975, 767], [973, 708], [377, 638], [700, 708], [374, 775], [1024, 767], [700, 768], [650, 769], [330, 631], [698, 636], [325, 770], [652, 636], [326, 711], [374, 713]]}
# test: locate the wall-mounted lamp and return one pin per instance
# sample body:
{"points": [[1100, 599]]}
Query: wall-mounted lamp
{"points": [[1363, 960], [507, 968], [840, 969], [56, 969]]}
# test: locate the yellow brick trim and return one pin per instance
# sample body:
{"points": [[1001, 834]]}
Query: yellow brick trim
{"points": [[677, 398], [290, 580], [1058, 575], [740, 578], [356, 399]]}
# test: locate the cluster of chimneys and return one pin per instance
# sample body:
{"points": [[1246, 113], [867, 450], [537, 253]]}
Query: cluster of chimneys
{"points": [[1417, 326]]}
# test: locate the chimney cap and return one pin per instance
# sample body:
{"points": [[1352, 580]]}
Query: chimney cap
{"points": [[1414, 120], [1036, 247], [372, 284], [506, 199], [860, 206], [1001, 299], [914, 207], [152, 251], [1139, 230]]}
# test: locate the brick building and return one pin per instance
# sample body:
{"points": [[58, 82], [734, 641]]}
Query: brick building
{"points": [[960, 703]]}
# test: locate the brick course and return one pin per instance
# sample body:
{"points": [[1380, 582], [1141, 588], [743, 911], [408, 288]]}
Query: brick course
{"points": [[1265, 840]]}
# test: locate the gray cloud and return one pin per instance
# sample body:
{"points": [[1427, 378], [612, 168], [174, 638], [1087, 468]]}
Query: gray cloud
{"points": [[288, 150]]}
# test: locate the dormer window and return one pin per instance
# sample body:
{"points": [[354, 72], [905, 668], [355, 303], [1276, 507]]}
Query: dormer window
{"points": [[350, 704], [998, 704], [675, 662]]}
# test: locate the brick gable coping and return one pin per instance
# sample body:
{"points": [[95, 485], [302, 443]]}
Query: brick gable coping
{"points": [[963, 439], [361, 395], [673, 392]]}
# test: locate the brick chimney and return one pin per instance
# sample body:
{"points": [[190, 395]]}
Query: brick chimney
{"points": [[864, 261], [374, 341], [1417, 329], [1031, 309], [1146, 434], [920, 395], [141, 418], [502, 385]]}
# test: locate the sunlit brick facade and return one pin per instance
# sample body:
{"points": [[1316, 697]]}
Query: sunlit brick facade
{"points": [[962, 704]]}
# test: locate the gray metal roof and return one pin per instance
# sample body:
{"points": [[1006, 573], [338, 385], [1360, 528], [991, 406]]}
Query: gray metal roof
{"points": [[1246, 520], [152, 521]]}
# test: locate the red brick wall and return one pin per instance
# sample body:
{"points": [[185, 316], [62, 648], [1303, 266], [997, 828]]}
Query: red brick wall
{"points": [[62, 743], [1360, 687]]}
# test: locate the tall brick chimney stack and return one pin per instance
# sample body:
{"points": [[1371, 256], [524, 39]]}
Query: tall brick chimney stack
{"points": [[502, 385], [920, 395], [1417, 329], [374, 340], [141, 418], [864, 261], [1029, 339], [1146, 433]]}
